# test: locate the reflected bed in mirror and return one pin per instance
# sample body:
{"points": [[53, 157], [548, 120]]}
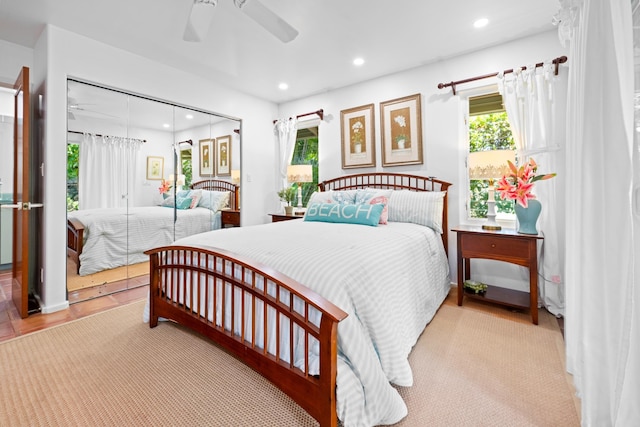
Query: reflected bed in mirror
{"points": [[123, 151], [101, 239]]}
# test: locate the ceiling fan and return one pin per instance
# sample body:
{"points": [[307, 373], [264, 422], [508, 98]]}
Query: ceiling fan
{"points": [[202, 12], [80, 107]]}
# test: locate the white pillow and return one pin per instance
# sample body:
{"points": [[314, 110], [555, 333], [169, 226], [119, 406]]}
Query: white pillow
{"points": [[419, 207], [347, 197], [214, 200]]}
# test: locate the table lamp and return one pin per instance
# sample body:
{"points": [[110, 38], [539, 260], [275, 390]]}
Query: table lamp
{"points": [[179, 182], [300, 174], [489, 165]]}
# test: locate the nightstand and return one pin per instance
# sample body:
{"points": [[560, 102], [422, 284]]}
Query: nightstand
{"points": [[283, 217], [505, 245], [230, 218]]}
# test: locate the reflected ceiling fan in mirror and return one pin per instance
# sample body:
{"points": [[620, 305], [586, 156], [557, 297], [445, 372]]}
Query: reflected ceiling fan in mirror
{"points": [[80, 107], [202, 11]]}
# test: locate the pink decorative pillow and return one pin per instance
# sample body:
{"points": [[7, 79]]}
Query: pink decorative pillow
{"points": [[381, 200], [375, 196]]}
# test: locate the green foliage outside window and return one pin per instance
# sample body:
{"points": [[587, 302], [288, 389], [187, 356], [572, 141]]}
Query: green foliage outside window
{"points": [[73, 158], [187, 171], [305, 152], [488, 132]]}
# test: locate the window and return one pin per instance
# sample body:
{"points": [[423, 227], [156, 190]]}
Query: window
{"points": [[488, 130], [305, 152], [185, 164], [73, 158]]}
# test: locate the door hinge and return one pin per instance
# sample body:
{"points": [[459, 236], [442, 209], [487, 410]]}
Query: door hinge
{"points": [[42, 275], [42, 169]]}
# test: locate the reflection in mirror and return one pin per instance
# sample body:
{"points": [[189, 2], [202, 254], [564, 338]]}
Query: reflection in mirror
{"points": [[134, 182]]}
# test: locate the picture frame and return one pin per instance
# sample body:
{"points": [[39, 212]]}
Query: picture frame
{"points": [[401, 131], [357, 126], [223, 154], [155, 168], [207, 157]]}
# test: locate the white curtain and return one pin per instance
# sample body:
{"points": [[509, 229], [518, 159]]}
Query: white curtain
{"points": [[533, 98], [106, 171], [602, 327], [285, 131]]}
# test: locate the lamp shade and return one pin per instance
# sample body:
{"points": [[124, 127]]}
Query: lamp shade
{"points": [[180, 181], [490, 164], [300, 173], [235, 176]]}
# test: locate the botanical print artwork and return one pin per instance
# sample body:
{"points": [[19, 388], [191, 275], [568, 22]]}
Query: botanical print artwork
{"points": [[223, 154], [401, 131], [223, 147], [358, 137], [400, 125], [207, 157], [155, 168], [358, 134]]}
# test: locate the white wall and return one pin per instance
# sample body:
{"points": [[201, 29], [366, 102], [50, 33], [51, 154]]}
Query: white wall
{"points": [[60, 54], [14, 57], [444, 140], [70, 55]]}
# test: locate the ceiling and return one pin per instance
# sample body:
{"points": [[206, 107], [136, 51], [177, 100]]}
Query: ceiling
{"points": [[389, 35]]}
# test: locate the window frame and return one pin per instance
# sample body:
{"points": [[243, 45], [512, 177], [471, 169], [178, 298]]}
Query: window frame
{"points": [[504, 220]]}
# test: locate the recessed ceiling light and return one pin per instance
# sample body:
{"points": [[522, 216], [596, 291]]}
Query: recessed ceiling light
{"points": [[482, 22], [189, 116], [283, 86], [358, 61], [166, 125]]}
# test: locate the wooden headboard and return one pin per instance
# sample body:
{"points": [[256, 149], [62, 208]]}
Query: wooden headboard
{"points": [[393, 181], [219, 185]]}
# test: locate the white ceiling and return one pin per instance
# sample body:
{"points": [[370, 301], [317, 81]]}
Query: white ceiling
{"points": [[390, 35]]}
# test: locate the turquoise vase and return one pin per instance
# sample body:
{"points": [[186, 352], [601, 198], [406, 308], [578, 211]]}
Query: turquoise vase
{"points": [[528, 217]]}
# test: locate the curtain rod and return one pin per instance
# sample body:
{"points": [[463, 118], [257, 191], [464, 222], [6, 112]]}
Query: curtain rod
{"points": [[97, 134], [557, 62], [319, 112]]}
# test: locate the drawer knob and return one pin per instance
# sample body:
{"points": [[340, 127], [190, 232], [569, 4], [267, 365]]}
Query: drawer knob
{"points": [[493, 245]]}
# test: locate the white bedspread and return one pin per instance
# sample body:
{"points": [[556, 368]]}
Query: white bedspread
{"points": [[389, 279], [119, 236]]}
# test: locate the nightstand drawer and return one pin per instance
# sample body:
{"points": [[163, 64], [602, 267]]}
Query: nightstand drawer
{"points": [[493, 245], [230, 218]]}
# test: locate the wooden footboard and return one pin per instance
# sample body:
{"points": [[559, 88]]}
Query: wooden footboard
{"points": [[209, 291], [75, 240]]}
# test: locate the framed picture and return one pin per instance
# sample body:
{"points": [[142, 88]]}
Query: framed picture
{"points": [[155, 168], [358, 137], [223, 154], [401, 130], [207, 157]]}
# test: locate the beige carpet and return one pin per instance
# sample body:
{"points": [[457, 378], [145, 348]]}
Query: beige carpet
{"points": [[471, 367], [75, 282]]}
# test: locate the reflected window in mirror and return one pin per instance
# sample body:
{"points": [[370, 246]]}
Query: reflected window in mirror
{"points": [[305, 152]]}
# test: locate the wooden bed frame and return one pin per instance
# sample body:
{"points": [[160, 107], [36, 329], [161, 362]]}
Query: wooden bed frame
{"points": [[75, 228], [171, 267]]}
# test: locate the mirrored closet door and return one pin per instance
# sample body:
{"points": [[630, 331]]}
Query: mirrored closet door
{"points": [[141, 173]]}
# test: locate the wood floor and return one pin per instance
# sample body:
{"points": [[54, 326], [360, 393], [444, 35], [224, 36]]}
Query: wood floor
{"points": [[87, 302], [82, 304]]}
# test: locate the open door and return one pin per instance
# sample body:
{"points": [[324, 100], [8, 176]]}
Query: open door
{"points": [[21, 197]]}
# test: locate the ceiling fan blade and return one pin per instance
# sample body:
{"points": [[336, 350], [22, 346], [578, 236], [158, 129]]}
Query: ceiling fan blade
{"points": [[199, 20], [267, 19]]}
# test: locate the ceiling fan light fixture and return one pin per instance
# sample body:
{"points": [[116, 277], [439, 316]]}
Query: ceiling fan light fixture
{"points": [[199, 21]]}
